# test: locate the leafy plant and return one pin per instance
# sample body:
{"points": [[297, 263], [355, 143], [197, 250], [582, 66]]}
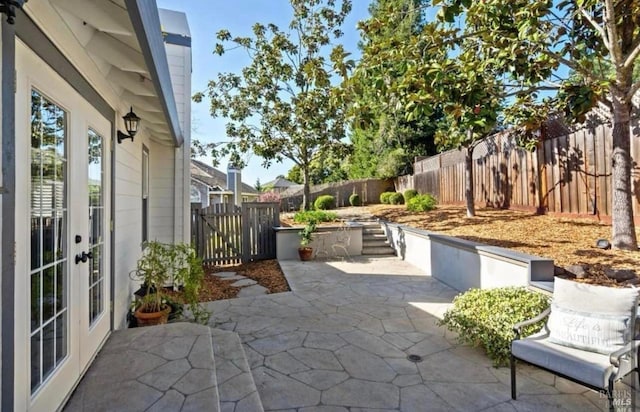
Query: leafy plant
{"points": [[421, 203], [396, 199], [410, 194], [315, 216], [153, 270], [189, 275], [485, 317], [162, 263], [325, 202], [354, 200], [384, 197], [306, 234]]}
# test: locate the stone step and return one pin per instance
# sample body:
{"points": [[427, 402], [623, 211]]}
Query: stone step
{"points": [[375, 243], [156, 368], [376, 237], [373, 231], [378, 250], [236, 387]]}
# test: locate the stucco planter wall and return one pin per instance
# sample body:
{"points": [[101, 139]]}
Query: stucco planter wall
{"points": [[462, 264], [328, 241]]}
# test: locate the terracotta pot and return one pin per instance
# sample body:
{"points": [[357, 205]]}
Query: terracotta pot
{"points": [[153, 318], [305, 253]]}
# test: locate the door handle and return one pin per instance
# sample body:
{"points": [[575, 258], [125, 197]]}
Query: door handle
{"points": [[83, 257]]}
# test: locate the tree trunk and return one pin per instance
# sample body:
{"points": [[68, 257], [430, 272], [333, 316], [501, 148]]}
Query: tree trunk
{"points": [[623, 229], [468, 181], [306, 192]]}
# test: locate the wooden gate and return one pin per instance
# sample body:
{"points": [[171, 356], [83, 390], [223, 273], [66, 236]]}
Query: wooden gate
{"points": [[226, 234]]}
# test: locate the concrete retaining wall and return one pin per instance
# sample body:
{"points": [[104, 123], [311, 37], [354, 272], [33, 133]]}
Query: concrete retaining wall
{"points": [[462, 264], [328, 242]]}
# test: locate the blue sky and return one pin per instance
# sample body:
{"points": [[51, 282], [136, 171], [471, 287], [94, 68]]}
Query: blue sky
{"points": [[205, 18]]}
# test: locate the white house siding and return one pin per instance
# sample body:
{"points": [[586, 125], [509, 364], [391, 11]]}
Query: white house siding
{"points": [[1, 210], [179, 59], [128, 223], [161, 193]]}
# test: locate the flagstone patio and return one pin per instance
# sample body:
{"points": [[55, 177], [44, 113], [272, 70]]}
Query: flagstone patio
{"points": [[341, 340]]}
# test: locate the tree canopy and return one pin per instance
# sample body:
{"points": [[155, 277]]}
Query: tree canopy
{"points": [[385, 141], [280, 105], [542, 58]]}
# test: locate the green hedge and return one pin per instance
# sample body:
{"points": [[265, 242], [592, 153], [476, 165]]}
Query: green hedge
{"points": [[325, 202], [396, 199], [485, 318], [314, 216], [421, 203], [354, 200], [410, 194], [384, 197]]}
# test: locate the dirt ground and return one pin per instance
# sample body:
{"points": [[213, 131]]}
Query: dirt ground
{"points": [[267, 273], [566, 241]]}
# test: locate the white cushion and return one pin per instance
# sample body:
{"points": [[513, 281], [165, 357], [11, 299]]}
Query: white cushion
{"points": [[589, 331], [593, 318]]}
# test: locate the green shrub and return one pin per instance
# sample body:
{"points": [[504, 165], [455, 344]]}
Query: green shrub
{"points": [[410, 194], [485, 318], [396, 199], [421, 203], [314, 216], [324, 202], [384, 197], [354, 200]]}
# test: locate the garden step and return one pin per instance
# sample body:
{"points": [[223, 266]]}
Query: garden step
{"points": [[375, 243], [378, 250], [372, 230], [236, 387], [372, 236]]}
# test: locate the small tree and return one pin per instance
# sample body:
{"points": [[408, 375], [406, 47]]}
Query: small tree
{"points": [[440, 75], [280, 106]]}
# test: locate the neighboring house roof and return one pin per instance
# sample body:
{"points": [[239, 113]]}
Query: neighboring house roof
{"points": [[175, 27], [214, 178], [280, 182]]}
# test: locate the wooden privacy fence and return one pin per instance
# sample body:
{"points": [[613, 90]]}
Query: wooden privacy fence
{"points": [[568, 174], [225, 234]]}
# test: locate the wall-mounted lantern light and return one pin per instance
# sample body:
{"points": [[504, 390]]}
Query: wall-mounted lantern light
{"points": [[131, 123], [7, 7]]}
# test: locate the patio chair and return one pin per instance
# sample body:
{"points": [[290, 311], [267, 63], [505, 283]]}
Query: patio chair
{"points": [[589, 337], [342, 241]]}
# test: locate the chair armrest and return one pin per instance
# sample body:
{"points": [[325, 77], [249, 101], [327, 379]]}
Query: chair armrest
{"points": [[631, 347], [517, 328]]}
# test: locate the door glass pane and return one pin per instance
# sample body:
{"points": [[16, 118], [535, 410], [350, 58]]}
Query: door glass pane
{"points": [[49, 268], [96, 223]]}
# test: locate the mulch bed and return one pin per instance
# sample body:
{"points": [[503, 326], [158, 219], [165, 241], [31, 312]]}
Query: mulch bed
{"points": [[267, 273]]}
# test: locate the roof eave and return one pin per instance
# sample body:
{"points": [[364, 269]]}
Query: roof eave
{"points": [[146, 23]]}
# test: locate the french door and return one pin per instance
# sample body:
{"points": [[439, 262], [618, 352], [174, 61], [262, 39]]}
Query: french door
{"points": [[62, 276]]}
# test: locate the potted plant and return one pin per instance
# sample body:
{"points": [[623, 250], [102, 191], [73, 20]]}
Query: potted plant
{"points": [[153, 270], [164, 264], [306, 236]]}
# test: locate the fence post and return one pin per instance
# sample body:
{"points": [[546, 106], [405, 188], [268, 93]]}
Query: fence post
{"points": [[245, 245]]}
